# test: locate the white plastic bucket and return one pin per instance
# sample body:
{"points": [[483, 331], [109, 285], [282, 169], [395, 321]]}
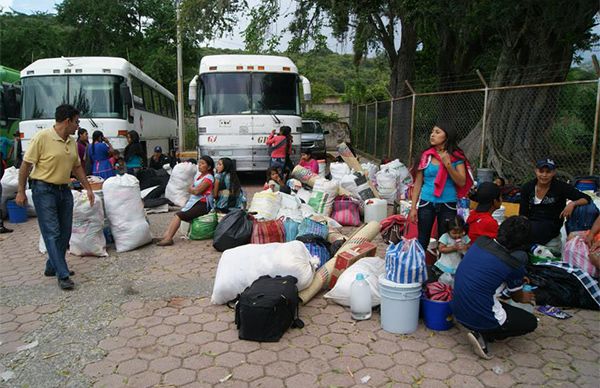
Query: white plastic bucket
{"points": [[399, 306], [375, 209]]}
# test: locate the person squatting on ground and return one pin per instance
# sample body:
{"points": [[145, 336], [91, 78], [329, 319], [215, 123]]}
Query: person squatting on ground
{"points": [[227, 191], [53, 154], [200, 202], [440, 179], [544, 202], [489, 269], [158, 159], [480, 221]]}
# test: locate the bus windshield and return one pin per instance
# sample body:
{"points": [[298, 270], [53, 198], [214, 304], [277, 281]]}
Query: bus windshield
{"points": [[96, 96], [249, 93]]}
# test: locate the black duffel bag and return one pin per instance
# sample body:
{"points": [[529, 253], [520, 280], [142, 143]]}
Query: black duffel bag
{"points": [[235, 229], [266, 309]]}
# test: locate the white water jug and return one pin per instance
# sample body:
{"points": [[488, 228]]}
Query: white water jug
{"points": [[375, 209], [360, 298]]}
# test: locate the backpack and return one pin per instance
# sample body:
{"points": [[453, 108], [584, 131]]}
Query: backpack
{"points": [[266, 309]]}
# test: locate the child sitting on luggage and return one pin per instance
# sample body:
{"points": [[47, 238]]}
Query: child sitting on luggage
{"points": [[452, 246]]}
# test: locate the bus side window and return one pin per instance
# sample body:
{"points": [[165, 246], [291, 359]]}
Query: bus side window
{"points": [[138, 93]]}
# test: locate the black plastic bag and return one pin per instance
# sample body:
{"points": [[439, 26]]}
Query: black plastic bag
{"points": [[557, 287], [235, 229]]}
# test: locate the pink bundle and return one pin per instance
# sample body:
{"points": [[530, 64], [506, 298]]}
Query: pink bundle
{"points": [[438, 291]]}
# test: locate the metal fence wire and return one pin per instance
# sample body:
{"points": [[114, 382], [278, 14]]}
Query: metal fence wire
{"points": [[522, 124]]}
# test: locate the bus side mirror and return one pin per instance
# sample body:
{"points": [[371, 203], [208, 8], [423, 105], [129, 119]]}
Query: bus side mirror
{"points": [[126, 95], [306, 88], [192, 93]]}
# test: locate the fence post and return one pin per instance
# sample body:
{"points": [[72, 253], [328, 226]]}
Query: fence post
{"points": [[389, 155], [412, 121], [376, 118], [364, 145], [356, 124], [595, 137], [484, 119]]}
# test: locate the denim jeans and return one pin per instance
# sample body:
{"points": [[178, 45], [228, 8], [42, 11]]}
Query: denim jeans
{"points": [[426, 215], [277, 163], [54, 208]]}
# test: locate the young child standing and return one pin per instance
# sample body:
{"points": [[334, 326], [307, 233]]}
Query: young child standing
{"points": [[452, 246]]}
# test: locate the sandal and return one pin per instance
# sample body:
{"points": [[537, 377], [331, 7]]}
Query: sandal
{"points": [[554, 312], [164, 243]]}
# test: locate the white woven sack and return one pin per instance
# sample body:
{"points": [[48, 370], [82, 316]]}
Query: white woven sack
{"points": [[387, 185], [125, 212], [323, 195], [10, 186], [265, 204], [87, 235], [290, 207], [371, 268], [180, 181], [338, 170], [240, 266], [370, 170]]}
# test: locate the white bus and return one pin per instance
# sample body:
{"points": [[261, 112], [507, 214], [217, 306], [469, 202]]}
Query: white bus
{"points": [[240, 99], [112, 95]]}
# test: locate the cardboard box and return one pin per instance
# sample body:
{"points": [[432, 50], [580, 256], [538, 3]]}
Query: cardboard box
{"points": [[349, 257]]}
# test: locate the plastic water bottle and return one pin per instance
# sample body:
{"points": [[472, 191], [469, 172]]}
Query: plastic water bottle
{"points": [[360, 298]]}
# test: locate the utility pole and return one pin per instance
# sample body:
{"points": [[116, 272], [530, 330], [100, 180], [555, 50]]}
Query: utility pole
{"points": [[179, 80]]}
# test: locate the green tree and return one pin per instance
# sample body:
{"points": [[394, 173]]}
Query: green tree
{"points": [[25, 38]]}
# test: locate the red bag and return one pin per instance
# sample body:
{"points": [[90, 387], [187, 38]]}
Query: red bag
{"points": [[264, 232], [346, 211], [438, 291]]}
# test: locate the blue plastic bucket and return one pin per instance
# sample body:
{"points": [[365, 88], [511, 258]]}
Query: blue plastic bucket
{"points": [[16, 214], [399, 306], [437, 315]]}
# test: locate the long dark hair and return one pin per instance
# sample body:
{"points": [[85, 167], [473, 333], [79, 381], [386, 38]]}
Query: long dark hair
{"points": [[235, 187], [210, 162], [96, 138], [135, 148], [451, 143]]}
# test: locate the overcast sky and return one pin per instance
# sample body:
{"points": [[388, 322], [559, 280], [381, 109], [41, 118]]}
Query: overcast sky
{"points": [[236, 41]]}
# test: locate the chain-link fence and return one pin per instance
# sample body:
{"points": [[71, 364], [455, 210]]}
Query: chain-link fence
{"points": [[523, 124]]}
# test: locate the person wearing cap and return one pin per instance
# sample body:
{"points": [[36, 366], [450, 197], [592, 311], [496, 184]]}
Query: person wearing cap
{"points": [[158, 159], [480, 221], [544, 202], [442, 176]]}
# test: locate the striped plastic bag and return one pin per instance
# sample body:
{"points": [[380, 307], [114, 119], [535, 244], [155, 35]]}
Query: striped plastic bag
{"points": [[405, 262], [346, 211], [308, 226], [265, 232], [291, 229]]}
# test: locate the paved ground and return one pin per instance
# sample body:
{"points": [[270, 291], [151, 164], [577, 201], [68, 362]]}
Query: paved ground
{"points": [[144, 318]]}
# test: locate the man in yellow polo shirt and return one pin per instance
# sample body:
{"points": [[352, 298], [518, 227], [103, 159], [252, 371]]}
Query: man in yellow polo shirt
{"points": [[53, 155]]}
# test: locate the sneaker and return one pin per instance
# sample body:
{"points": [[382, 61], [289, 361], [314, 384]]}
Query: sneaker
{"points": [[479, 344], [5, 230], [51, 273], [66, 284]]}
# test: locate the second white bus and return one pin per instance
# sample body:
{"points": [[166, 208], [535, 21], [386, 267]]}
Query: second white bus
{"points": [[112, 95]]}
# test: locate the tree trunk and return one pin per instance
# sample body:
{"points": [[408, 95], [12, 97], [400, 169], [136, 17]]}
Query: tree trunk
{"points": [[519, 120], [403, 68]]}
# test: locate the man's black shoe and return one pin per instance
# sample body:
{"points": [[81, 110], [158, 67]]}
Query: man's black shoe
{"points": [[66, 284], [52, 273], [5, 230]]}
